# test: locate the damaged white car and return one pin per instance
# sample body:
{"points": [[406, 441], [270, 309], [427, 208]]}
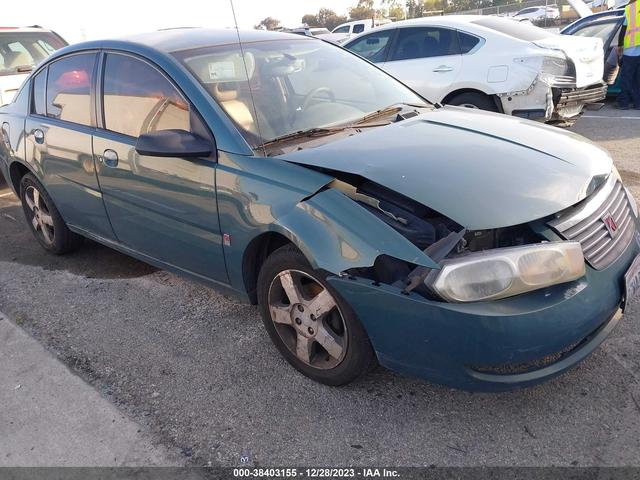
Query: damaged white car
{"points": [[490, 63]]}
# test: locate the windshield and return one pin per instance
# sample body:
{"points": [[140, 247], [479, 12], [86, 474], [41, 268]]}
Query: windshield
{"points": [[297, 84], [519, 30], [21, 51]]}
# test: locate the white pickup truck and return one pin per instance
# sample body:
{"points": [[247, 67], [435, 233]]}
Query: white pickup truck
{"points": [[21, 49]]}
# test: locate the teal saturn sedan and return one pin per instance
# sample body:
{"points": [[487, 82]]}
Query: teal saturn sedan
{"points": [[468, 248]]}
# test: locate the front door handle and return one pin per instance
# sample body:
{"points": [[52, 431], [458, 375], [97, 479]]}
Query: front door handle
{"points": [[109, 158], [38, 135], [443, 69]]}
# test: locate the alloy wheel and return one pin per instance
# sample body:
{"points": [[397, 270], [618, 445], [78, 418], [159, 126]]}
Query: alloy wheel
{"points": [[40, 217], [308, 319]]}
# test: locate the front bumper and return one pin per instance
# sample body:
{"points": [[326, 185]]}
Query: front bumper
{"points": [[491, 346]]}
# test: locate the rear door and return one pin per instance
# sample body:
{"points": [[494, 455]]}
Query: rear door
{"points": [[427, 59], [58, 134], [163, 208]]}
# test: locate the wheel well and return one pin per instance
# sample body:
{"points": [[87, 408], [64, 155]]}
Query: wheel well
{"points": [[455, 93], [16, 172], [254, 256]]}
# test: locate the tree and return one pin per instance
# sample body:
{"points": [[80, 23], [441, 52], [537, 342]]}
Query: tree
{"points": [[268, 23], [362, 11], [324, 18], [395, 10]]}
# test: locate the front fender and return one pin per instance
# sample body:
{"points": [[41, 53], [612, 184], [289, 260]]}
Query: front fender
{"points": [[259, 195], [336, 234]]}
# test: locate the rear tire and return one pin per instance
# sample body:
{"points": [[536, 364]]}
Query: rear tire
{"points": [[474, 100], [314, 329], [44, 220]]}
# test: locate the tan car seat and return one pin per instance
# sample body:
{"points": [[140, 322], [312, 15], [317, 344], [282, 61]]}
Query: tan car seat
{"points": [[18, 59]]}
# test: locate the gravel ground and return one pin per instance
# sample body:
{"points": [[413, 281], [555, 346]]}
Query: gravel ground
{"points": [[197, 369]]}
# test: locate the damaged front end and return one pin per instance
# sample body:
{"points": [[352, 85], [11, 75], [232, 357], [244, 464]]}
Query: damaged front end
{"points": [[493, 309], [471, 265]]}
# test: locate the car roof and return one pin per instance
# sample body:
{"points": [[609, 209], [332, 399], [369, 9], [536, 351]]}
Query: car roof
{"points": [[172, 40], [23, 29], [449, 20]]}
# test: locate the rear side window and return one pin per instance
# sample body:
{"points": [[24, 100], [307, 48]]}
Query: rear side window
{"points": [[467, 42], [373, 47], [38, 97], [69, 88], [423, 42], [358, 28], [138, 99]]}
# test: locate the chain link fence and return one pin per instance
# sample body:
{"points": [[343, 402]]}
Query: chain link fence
{"points": [[543, 13]]}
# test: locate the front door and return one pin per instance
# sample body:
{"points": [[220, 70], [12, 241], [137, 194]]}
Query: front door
{"points": [[427, 59], [163, 208]]}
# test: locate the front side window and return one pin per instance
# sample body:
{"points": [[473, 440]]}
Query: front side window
{"points": [[277, 87], [343, 29], [424, 42], [69, 88], [373, 47], [138, 99]]}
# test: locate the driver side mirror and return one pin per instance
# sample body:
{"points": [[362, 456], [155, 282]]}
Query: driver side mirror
{"points": [[173, 143]]}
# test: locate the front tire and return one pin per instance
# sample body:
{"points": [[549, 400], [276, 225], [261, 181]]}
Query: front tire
{"points": [[315, 330], [44, 220]]}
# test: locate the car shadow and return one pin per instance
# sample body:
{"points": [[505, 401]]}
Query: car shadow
{"points": [[92, 260]]}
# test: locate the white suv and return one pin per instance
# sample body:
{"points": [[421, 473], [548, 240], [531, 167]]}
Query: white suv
{"points": [[21, 49]]}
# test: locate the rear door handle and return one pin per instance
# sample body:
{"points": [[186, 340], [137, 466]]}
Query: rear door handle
{"points": [[109, 158], [443, 69]]}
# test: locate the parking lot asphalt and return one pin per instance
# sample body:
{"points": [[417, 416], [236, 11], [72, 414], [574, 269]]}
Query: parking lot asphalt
{"points": [[197, 370]]}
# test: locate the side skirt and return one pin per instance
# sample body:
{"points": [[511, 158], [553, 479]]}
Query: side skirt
{"points": [[223, 288]]}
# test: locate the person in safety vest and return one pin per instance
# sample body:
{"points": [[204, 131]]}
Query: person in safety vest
{"points": [[629, 49]]}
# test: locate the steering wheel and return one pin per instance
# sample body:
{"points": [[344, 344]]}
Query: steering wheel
{"points": [[313, 93]]}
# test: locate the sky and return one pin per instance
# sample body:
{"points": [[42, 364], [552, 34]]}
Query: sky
{"points": [[89, 20]]}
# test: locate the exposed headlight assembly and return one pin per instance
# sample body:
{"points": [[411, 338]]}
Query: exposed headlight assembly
{"points": [[504, 272]]}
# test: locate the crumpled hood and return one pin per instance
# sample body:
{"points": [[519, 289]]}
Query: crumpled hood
{"points": [[480, 169]]}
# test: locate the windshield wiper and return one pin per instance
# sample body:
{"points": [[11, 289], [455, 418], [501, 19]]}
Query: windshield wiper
{"points": [[386, 111], [311, 132]]}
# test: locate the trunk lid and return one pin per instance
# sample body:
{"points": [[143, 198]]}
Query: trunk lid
{"points": [[584, 52]]}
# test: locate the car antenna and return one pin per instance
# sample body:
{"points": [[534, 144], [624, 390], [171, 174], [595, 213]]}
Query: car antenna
{"points": [[246, 71]]}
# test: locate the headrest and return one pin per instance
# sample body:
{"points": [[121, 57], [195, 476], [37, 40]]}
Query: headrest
{"points": [[231, 68]]}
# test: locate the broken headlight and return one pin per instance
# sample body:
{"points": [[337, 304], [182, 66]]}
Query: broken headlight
{"points": [[558, 72], [504, 272]]}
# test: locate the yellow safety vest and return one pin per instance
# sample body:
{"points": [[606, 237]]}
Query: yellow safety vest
{"points": [[632, 35]]}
